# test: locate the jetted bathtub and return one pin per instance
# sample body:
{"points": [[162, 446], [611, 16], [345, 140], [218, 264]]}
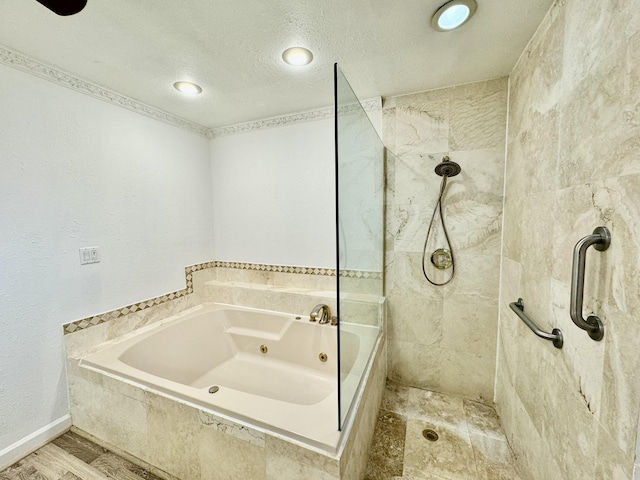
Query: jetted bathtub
{"points": [[272, 370]]}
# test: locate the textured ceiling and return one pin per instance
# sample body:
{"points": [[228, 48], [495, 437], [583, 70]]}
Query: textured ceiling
{"points": [[233, 49]]}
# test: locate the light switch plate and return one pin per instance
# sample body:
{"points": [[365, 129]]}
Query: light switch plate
{"points": [[89, 255]]}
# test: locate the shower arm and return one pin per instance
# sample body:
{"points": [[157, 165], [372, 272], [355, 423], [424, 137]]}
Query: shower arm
{"points": [[600, 239]]}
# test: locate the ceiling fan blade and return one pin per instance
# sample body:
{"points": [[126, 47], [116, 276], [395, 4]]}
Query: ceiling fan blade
{"points": [[64, 7]]}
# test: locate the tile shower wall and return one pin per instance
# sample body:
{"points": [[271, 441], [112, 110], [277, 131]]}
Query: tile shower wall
{"points": [[573, 163], [444, 338]]}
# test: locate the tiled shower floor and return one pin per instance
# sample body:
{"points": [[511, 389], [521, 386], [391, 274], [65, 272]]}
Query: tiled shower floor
{"points": [[471, 444]]}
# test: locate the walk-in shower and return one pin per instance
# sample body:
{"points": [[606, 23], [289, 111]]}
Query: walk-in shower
{"points": [[441, 257]]}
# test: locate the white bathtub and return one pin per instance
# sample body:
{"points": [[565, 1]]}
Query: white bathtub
{"points": [[288, 389]]}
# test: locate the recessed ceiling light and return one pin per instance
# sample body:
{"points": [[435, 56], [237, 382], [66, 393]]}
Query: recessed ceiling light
{"points": [[453, 14], [188, 88], [297, 56]]}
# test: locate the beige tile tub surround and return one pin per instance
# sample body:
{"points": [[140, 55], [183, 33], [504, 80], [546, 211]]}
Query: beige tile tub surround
{"points": [[573, 163], [307, 278], [134, 421], [444, 338], [184, 441], [246, 272]]}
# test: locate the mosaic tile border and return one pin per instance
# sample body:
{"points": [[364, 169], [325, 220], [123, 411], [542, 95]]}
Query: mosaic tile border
{"points": [[330, 272], [19, 61], [92, 321]]}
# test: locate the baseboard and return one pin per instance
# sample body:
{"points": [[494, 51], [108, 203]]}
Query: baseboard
{"points": [[30, 443]]}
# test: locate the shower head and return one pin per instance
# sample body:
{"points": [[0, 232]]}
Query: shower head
{"points": [[447, 168]]}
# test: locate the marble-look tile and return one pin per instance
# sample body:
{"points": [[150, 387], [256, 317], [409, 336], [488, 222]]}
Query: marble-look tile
{"points": [[415, 319], [421, 126], [451, 456], [592, 110], [389, 124], [478, 118], [294, 300], [200, 278], [583, 357], [406, 279], [482, 420], [509, 323], [256, 276], [477, 277], [470, 375], [617, 265], [530, 449], [535, 82], [408, 225], [415, 364], [423, 98], [277, 447], [173, 453], [513, 218], [354, 457], [536, 231], [582, 208], [386, 454], [224, 274], [414, 179], [396, 398], [493, 458], [473, 201], [223, 456], [233, 429], [620, 398], [437, 409], [469, 326], [82, 341], [279, 467], [538, 144], [101, 412], [595, 33], [468, 123], [570, 428], [614, 463]]}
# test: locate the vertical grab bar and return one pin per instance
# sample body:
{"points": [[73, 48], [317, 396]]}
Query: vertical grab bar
{"points": [[600, 239]]}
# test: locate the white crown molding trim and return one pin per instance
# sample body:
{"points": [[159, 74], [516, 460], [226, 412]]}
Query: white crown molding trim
{"points": [[19, 61], [34, 441], [369, 105]]}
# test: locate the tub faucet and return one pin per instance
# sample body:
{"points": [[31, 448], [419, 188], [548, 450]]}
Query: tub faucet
{"points": [[321, 313]]}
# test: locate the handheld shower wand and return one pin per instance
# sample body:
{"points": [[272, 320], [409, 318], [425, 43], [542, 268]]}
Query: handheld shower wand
{"points": [[441, 258]]}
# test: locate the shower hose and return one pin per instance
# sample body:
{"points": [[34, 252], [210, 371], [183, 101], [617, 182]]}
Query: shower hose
{"points": [[436, 210]]}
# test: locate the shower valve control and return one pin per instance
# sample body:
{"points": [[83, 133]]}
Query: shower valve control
{"points": [[441, 259]]}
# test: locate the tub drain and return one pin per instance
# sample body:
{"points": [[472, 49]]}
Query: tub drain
{"points": [[430, 435], [214, 389], [264, 349]]}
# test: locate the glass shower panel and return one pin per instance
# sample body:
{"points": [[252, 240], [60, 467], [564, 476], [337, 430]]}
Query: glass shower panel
{"points": [[360, 238]]}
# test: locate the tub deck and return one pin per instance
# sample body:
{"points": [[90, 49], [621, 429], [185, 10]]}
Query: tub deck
{"points": [[287, 389]]}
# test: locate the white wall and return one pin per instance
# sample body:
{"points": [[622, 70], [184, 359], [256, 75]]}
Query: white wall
{"points": [[274, 195], [77, 172]]}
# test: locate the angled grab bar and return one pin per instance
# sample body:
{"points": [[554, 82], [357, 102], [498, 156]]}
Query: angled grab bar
{"points": [[555, 336], [600, 239]]}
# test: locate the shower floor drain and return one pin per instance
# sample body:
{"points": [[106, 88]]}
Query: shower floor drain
{"points": [[430, 435]]}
